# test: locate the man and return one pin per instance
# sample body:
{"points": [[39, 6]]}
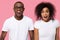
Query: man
{"points": [[18, 25]]}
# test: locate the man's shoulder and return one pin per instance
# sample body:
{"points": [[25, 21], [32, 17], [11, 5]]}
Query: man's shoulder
{"points": [[27, 18], [9, 19]]}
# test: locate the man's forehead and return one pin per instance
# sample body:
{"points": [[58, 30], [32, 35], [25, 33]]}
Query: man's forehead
{"points": [[18, 4]]}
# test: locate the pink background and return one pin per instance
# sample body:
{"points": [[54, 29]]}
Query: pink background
{"points": [[6, 9]]}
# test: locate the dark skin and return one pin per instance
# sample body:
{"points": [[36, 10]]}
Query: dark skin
{"points": [[31, 35], [57, 34], [18, 9], [3, 34]]}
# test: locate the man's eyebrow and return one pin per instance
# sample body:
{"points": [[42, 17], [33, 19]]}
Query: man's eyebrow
{"points": [[18, 6]]}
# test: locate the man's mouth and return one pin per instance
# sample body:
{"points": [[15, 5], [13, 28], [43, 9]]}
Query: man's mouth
{"points": [[18, 11]]}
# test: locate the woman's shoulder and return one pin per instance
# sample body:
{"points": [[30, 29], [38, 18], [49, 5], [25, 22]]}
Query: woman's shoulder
{"points": [[56, 21], [37, 21]]}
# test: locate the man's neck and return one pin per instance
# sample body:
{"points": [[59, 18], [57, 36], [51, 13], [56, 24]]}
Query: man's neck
{"points": [[19, 18]]}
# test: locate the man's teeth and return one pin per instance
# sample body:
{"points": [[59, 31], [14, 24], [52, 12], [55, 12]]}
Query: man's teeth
{"points": [[18, 11]]}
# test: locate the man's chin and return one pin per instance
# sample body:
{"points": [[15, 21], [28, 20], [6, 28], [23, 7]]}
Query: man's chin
{"points": [[19, 15]]}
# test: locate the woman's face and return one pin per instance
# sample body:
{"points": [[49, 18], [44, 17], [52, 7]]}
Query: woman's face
{"points": [[45, 14]]}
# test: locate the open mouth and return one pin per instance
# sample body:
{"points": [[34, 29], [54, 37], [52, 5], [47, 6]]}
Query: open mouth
{"points": [[45, 16], [18, 11]]}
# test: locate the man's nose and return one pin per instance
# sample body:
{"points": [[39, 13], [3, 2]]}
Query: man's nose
{"points": [[18, 9]]}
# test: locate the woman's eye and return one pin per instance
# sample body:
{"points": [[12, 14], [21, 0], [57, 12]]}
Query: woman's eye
{"points": [[47, 11], [42, 11]]}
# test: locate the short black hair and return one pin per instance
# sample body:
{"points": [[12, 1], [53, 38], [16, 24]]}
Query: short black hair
{"points": [[42, 5], [19, 2]]}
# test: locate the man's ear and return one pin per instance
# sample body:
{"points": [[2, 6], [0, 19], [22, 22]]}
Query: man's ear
{"points": [[24, 9], [13, 8]]}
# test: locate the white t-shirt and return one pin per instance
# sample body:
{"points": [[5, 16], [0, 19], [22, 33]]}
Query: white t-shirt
{"points": [[47, 30], [18, 29]]}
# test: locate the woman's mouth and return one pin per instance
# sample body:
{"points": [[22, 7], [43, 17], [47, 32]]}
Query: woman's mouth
{"points": [[46, 17]]}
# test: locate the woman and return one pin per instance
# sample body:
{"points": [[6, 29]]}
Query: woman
{"points": [[46, 27]]}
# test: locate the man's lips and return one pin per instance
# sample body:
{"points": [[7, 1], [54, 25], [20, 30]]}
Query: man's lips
{"points": [[18, 11]]}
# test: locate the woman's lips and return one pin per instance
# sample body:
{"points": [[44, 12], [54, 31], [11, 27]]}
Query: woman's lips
{"points": [[45, 16]]}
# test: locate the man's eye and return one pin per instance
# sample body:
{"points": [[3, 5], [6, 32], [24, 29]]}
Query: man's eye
{"points": [[19, 7]]}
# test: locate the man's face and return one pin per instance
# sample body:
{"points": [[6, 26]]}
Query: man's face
{"points": [[18, 9]]}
